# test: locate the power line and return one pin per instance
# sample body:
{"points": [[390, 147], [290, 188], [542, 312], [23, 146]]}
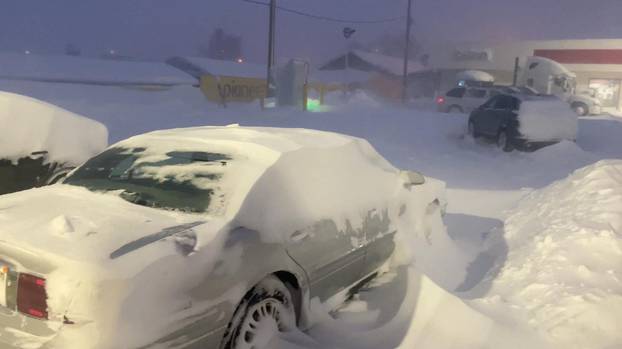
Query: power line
{"points": [[330, 19]]}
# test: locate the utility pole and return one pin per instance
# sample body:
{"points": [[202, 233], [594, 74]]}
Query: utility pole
{"points": [[406, 53], [270, 83], [515, 76]]}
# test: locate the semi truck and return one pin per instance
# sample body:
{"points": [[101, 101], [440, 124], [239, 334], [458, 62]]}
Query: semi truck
{"points": [[552, 78]]}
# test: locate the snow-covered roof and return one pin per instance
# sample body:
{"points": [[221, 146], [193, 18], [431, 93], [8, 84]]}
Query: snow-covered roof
{"points": [[391, 64], [370, 61], [89, 70], [219, 67], [30, 125], [339, 76]]}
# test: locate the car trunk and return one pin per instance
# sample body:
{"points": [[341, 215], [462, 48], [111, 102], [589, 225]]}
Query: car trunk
{"points": [[25, 320]]}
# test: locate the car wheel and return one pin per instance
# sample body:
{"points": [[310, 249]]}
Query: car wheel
{"points": [[265, 311], [503, 142], [581, 109], [471, 129]]}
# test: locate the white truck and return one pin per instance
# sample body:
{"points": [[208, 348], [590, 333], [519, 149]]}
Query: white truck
{"points": [[552, 78]]}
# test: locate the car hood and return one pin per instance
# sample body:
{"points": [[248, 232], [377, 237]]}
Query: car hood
{"points": [[74, 223]]}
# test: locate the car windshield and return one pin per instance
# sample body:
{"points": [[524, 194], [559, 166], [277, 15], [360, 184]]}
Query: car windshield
{"points": [[177, 180]]}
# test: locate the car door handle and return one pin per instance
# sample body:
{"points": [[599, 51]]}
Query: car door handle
{"points": [[299, 235]]}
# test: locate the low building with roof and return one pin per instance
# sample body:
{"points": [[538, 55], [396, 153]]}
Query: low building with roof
{"points": [[225, 81], [374, 72], [92, 71]]}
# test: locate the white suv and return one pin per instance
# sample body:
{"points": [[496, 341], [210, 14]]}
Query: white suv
{"points": [[464, 99]]}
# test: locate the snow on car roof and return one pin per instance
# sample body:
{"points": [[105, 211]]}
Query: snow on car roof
{"points": [[30, 125], [275, 140]]}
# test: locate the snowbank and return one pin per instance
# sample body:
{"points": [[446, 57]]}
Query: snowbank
{"points": [[30, 125], [88, 70], [564, 268], [547, 120]]}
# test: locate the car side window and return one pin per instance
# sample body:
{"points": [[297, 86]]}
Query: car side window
{"points": [[457, 92], [475, 93], [506, 103]]}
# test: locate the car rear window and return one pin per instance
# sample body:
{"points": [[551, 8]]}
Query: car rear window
{"points": [[176, 180], [457, 92], [506, 103]]}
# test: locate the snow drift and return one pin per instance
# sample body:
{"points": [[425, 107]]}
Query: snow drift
{"points": [[547, 120], [564, 268], [30, 125]]}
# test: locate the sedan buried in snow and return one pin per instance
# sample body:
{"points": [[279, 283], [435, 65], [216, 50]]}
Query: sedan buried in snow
{"points": [[211, 237]]}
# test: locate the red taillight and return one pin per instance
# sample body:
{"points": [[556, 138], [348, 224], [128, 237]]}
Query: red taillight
{"points": [[440, 100], [32, 299]]}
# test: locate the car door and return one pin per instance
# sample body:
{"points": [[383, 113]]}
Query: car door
{"points": [[332, 253], [502, 111], [380, 233], [482, 117]]}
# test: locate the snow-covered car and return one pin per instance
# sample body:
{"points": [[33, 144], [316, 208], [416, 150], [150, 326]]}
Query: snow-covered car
{"points": [[209, 237], [523, 122], [40, 143]]}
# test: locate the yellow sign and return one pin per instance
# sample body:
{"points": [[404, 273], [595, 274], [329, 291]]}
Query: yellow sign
{"points": [[224, 89]]}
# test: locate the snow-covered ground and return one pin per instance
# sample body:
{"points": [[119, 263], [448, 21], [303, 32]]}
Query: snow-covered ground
{"points": [[506, 286]]}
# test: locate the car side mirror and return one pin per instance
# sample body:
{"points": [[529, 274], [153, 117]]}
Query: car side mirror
{"points": [[412, 178]]}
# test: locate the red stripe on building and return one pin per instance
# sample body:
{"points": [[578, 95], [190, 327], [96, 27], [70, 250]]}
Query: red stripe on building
{"points": [[612, 56]]}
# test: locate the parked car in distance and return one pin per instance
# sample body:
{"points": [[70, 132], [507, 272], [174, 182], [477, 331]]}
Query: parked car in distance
{"points": [[40, 143], [207, 237], [464, 99], [523, 122]]}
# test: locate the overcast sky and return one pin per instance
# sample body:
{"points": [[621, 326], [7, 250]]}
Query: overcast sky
{"points": [[156, 29]]}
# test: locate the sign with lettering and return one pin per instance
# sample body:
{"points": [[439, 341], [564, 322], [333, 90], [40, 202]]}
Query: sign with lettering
{"points": [[473, 55], [223, 89]]}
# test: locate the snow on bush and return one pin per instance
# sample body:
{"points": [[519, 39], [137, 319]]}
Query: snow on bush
{"points": [[30, 125], [547, 120], [564, 268]]}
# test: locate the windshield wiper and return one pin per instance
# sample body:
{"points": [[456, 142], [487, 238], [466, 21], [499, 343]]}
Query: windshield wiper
{"points": [[137, 198]]}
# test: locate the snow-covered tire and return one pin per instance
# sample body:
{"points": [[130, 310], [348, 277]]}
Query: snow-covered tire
{"points": [[580, 108], [504, 142], [266, 310]]}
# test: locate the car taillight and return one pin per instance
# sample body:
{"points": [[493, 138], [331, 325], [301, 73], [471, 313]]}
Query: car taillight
{"points": [[440, 100], [32, 296]]}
